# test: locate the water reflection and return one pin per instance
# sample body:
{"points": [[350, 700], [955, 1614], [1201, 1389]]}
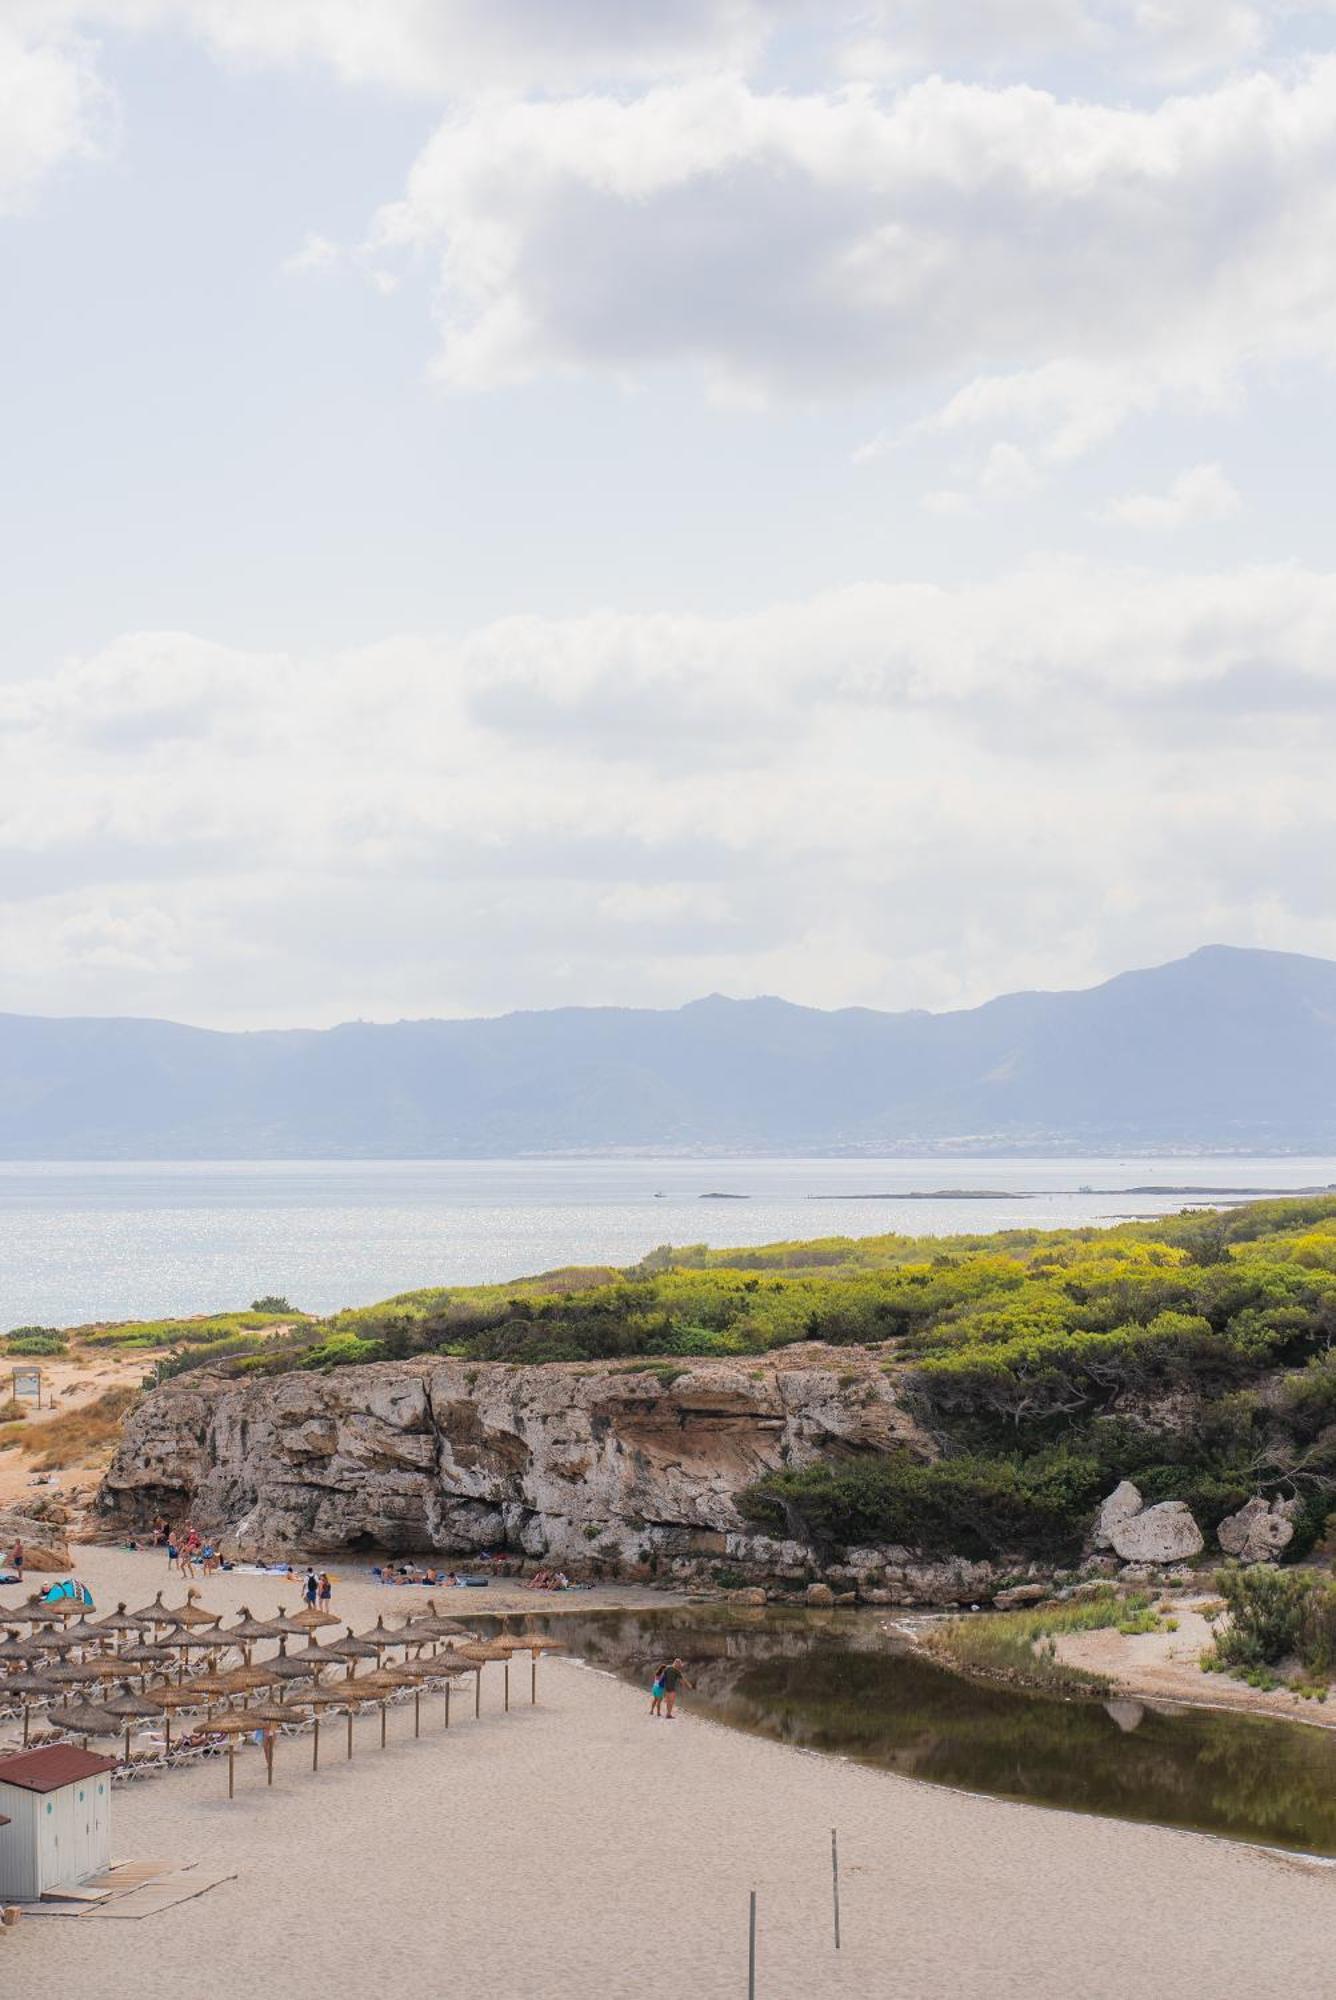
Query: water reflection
{"points": [[843, 1684]]}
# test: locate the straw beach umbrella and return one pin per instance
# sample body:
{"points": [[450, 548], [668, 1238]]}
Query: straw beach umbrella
{"points": [[14, 1648], [120, 1621], [192, 1613], [28, 1685], [296, 1627], [231, 1725], [352, 1649], [532, 1643], [485, 1651], [129, 1707], [82, 1719]]}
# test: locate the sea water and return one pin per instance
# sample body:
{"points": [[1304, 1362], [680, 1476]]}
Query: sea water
{"points": [[121, 1240]]}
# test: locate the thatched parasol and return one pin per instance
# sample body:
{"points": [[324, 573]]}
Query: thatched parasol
{"points": [[121, 1620], [284, 1668], [170, 1698], [145, 1654], [77, 1673], [296, 1627], [82, 1632], [481, 1654], [231, 1725], [382, 1636], [152, 1614], [311, 1620], [315, 1656], [81, 1719], [192, 1613], [352, 1649], [14, 1648], [246, 1680], [29, 1685], [129, 1708], [246, 1631], [532, 1643]]}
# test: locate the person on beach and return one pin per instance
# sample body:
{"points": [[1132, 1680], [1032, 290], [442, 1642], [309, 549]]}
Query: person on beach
{"points": [[311, 1589], [16, 1560], [173, 1553], [326, 1590], [656, 1694], [672, 1676], [187, 1556]]}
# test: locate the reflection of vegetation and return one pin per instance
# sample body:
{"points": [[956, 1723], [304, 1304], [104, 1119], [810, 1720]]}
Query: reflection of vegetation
{"points": [[1012, 1643], [837, 1687]]}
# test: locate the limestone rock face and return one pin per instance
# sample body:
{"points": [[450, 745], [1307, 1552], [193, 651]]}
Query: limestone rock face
{"points": [[1259, 1531], [44, 1546], [1021, 1594], [563, 1462], [1121, 1505], [1161, 1534], [820, 1596]]}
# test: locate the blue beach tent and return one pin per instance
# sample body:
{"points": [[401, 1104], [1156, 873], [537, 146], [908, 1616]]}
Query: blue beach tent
{"points": [[68, 1588]]}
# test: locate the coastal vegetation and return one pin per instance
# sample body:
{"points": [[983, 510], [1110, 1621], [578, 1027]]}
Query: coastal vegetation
{"points": [[1194, 1355], [1019, 1645]]}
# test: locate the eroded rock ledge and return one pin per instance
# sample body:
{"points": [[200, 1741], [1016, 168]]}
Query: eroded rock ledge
{"points": [[635, 1469]]}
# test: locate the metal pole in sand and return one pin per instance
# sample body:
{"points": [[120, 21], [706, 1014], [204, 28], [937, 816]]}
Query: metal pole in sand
{"points": [[751, 1948], [835, 1880]]}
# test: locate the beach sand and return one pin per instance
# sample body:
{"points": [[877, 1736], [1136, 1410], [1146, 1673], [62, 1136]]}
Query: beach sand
{"points": [[581, 1849]]}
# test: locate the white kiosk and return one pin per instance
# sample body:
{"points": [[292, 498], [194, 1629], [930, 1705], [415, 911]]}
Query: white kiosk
{"points": [[58, 1803]]}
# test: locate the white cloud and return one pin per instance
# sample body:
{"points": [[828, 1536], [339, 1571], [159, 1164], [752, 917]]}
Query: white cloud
{"points": [[1202, 493], [53, 110], [1052, 267], [823, 799]]}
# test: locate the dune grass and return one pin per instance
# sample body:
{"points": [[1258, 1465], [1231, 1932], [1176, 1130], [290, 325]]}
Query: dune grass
{"points": [[1021, 1645]]}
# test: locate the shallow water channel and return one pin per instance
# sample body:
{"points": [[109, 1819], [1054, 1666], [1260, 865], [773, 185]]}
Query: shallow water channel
{"points": [[841, 1683]]}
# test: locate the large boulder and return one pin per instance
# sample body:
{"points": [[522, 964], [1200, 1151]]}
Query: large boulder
{"points": [[1121, 1505], [1162, 1534], [44, 1546], [1259, 1531]]}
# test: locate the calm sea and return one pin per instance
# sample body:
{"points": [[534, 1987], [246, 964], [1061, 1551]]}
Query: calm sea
{"points": [[83, 1241]]}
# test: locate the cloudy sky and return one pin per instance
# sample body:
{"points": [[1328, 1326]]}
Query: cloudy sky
{"points": [[508, 504]]}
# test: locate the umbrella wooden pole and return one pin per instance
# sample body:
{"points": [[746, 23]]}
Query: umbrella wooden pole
{"points": [[505, 1669], [417, 1711], [168, 1726], [384, 1710], [447, 1706], [127, 1743], [315, 1746], [477, 1694], [533, 1681], [231, 1765], [350, 1730], [269, 1756], [27, 1713]]}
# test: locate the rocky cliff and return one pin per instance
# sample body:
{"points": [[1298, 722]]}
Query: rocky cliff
{"points": [[637, 1468]]}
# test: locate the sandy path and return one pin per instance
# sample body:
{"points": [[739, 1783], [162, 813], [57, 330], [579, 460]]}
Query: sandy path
{"points": [[579, 1849], [1165, 1666]]}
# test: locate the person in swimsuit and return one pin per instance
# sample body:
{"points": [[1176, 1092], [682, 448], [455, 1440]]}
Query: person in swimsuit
{"points": [[672, 1676]]}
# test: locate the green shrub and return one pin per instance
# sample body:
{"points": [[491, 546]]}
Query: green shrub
{"points": [[969, 1506], [36, 1340]]}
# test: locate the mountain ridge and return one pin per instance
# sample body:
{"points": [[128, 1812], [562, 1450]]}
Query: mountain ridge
{"points": [[1225, 1049]]}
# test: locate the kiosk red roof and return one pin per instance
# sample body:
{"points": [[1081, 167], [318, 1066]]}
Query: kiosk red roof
{"points": [[47, 1770]]}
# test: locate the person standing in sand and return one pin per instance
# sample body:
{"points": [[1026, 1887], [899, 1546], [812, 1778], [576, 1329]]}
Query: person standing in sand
{"points": [[671, 1677]]}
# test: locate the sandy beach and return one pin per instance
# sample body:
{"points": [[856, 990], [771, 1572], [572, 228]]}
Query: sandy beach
{"points": [[579, 1848]]}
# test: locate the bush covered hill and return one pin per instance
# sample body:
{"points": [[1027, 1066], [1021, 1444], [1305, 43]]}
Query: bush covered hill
{"points": [[1195, 1355]]}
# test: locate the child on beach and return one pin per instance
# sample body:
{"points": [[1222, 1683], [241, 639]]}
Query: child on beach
{"points": [[656, 1696]]}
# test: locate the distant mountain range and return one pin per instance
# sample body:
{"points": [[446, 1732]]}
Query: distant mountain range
{"points": [[1226, 1049]]}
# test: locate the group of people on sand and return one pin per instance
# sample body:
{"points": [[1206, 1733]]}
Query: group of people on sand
{"points": [[668, 1678], [549, 1579], [186, 1547]]}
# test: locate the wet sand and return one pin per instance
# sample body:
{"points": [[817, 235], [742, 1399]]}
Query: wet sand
{"points": [[581, 1849]]}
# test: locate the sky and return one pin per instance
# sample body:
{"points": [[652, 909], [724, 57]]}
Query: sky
{"points": [[507, 505]]}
